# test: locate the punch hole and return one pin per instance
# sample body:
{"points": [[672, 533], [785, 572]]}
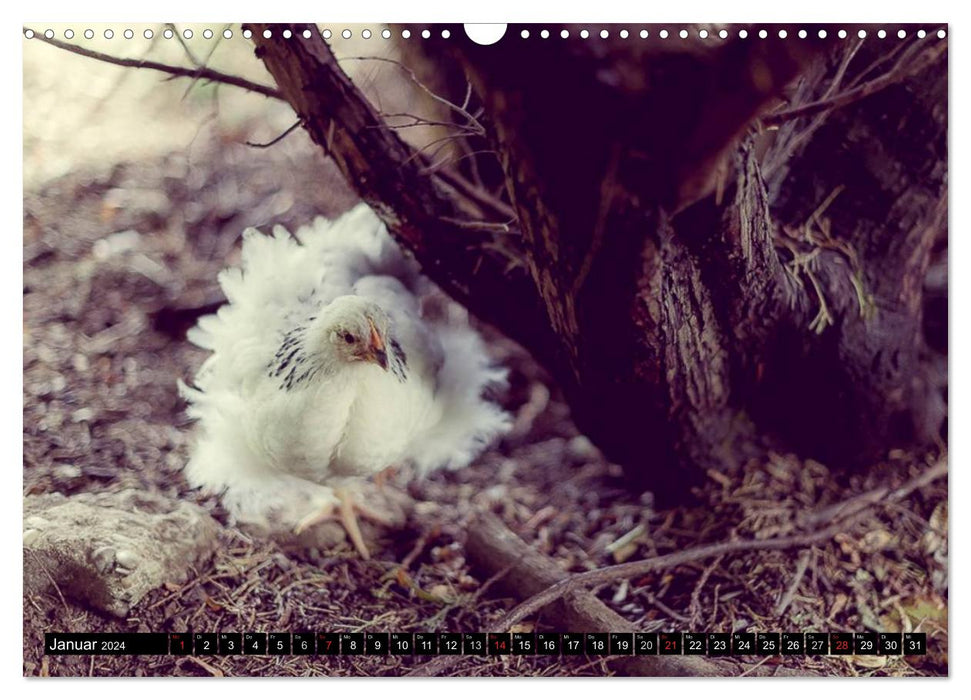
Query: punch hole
{"points": [[406, 34], [148, 33], [327, 34], [486, 34], [366, 33], [287, 34], [108, 34], [228, 34], [168, 33], [663, 33], [29, 33], [88, 34], [187, 34], [703, 34], [129, 34], [624, 34], [68, 33], [584, 33], [683, 34], [545, 34], [386, 34], [207, 33], [247, 34], [941, 34], [643, 34], [446, 34], [346, 34], [425, 34]]}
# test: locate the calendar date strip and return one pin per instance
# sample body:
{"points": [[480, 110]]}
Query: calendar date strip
{"points": [[739, 644]]}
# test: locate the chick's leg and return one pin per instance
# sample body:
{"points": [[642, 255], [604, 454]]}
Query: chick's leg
{"points": [[317, 515], [347, 510]]}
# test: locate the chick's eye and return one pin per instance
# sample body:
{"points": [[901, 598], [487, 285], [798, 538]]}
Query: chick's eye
{"points": [[349, 338]]}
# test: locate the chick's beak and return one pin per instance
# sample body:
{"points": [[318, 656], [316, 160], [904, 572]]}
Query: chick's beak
{"points": [[376, 351]]}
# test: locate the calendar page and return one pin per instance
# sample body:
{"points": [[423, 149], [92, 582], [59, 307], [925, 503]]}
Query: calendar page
{"points": [[519, 350]]}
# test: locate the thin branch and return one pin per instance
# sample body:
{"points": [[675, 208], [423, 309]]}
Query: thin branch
{"points": [[841, 71], [177, 71], [185, 47], [473, 121], [796, 581], [883, 58], [856, 504], [481, 197], [479, 225], [201, 64], [422, 121], [432, 168], [279, 138], [900, 72]]}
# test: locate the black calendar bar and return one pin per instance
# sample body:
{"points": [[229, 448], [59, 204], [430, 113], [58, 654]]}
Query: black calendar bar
{"points": [[121, 644], [489, 644]]}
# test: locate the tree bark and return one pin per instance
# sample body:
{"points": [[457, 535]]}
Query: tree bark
{"points": [[699, 287]]}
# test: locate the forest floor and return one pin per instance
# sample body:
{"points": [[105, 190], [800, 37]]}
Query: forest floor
{"points": [[107, 249]]}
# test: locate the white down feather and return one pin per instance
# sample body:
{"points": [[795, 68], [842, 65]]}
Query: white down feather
{"points": [[274, 454]]}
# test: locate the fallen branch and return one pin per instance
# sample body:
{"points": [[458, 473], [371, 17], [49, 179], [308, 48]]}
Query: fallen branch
{"points": [[493, 547]]}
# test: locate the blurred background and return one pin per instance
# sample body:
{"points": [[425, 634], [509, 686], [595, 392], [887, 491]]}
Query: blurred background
{"points": [[83, 113]]}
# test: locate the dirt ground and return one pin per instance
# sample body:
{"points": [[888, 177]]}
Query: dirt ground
{"points": [[109, 252]]}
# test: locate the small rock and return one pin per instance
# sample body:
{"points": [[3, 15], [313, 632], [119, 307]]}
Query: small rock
{"points": [[108, 550], [82, 414], [66, 472], [116, 243], [126, 558]]}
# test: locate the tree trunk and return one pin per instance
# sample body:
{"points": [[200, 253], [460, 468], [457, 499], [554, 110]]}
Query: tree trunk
{"points": [[700, 286]]}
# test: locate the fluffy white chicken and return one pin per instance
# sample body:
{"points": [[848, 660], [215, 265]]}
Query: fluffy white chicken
{"points": [[324, 370]]}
